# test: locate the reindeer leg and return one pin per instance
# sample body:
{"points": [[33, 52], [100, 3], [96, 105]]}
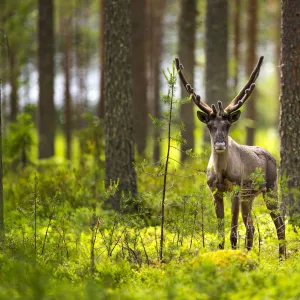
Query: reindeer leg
{"points": [[219, 207], [235, 206], [217, 190], [246, 206], [271, 201]]}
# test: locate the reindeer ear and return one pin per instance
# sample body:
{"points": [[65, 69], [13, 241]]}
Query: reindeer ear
{"points": [[234, 116], [203, 117]]}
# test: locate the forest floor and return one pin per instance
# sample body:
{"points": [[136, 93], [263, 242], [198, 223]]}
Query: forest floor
{"points": [[60, 242]]}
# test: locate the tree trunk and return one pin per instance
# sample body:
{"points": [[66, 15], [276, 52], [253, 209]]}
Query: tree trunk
{"points": [[1, 171], [66, 30], [119, 144], [251, 61], [289, 127], [46, 108], [139, 83], [82, 63], [101, 48], [277, 25], [216, 72], [236, 42], [13, 81], [187, 35], [155, 19]]}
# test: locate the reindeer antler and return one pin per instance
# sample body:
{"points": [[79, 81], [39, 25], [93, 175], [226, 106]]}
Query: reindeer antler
{"points": [[196, 98], [243, 95]]}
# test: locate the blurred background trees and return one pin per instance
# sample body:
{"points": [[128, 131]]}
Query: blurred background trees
{"points": [[55, 59]]}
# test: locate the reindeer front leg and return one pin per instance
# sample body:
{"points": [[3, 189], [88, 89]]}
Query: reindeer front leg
{"points": [[246, 206], [217, 190], [219, 207], [235, 205]]}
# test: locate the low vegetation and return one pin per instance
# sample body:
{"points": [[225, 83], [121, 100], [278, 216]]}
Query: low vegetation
{"points": [[62, 240]]}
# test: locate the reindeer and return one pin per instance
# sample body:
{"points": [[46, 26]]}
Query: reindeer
{"points": [[232, 164]]}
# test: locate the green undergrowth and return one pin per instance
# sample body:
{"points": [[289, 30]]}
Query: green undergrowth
{"points": [[213, 275], [53, 211], [62, 241]]}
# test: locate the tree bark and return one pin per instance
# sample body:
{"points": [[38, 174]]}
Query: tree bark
{"points": [[155, 19], [289, 127], [46, 108], [139, 82], [101, 52], [13, 81], [277, 31], [187, 35], [216, 73], [236, 42], [66, 30], [251, 60], [1, 171], [119, 143]]}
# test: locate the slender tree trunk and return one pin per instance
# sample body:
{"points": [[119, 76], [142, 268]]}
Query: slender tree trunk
{"points": [[277, 25], [187, 35], [66, 29], [46, 75], [119, 142], [139, 82], [236, 41], [1, 171], [82, 62], [101, 48], [13, 80], [155, 10], [251, 60], [290, 105], [216, 73]]}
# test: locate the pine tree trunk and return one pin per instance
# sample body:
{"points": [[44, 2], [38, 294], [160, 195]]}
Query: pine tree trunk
{"points": [[187, 35], [1, 171], [139, 83], [66, 29], [251, 61], [237, 41], [155, 19], [119, 144], [13, 81], [216, 73], [277, 31], [82, 62], [289, 127], [46, 108], [101, 50]]}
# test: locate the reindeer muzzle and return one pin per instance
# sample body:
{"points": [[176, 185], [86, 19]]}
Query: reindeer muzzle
{"points": [[220, 146]]}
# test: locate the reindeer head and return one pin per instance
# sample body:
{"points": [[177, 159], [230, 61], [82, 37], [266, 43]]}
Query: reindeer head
{"points": [[219, 120]]}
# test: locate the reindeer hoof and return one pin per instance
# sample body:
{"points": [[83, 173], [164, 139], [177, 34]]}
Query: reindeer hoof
{"points": [[221, 247]]}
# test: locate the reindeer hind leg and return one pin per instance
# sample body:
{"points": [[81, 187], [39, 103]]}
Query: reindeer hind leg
{"points": [[235, 205], [246, 207], [271, 201]]}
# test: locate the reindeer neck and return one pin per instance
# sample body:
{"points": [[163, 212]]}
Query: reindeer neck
{"points": [[220, 161]]}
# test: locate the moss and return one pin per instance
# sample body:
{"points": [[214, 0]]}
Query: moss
{"points": [[224, 258]]}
